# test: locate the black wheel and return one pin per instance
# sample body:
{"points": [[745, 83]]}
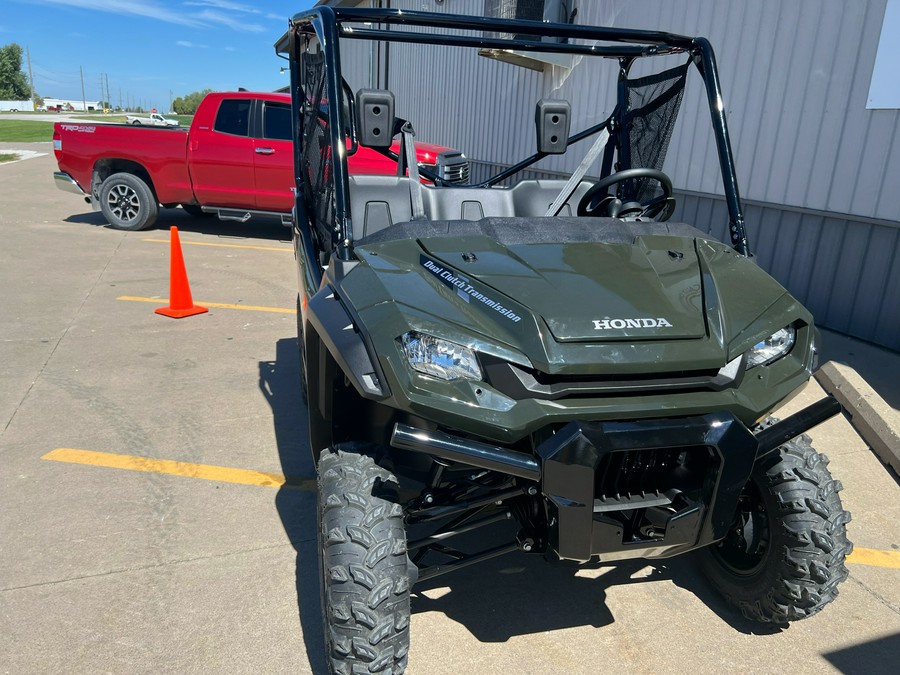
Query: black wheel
{"points": [[783, 558], [127, 202], [195, 211], [136, 123], [365, 581]]}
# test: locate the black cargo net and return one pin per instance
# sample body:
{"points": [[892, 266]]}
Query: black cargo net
{"points": [[315, 161], [652, 108]]}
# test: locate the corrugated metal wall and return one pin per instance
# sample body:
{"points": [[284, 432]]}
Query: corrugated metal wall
{"points": [[820, 174]]}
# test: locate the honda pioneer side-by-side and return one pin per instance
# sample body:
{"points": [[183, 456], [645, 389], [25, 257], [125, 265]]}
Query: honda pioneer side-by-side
{"points": [[539, 347]]}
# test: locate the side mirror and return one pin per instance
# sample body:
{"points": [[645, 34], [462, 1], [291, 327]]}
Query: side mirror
{"points": [[551, 120], [375, 112]]}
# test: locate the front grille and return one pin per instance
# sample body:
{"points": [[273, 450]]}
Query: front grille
{"points": [[453, 167], [648, 477], [524, 383]]}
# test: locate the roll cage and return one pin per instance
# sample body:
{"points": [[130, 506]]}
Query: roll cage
{"points": [[331, 25]]}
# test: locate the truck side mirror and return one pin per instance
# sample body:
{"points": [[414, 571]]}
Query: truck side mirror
{"points": [[551, 120], [375, 110]]}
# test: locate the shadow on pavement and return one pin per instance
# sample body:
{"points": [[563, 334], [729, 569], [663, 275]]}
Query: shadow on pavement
{"points": [[279, 382], [873, 657], [521, 594], [256, 228]]}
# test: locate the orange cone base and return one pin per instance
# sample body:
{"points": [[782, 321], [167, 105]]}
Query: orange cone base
{"points": [[181, 313]]}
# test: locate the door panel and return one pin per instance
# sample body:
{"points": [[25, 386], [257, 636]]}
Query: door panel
{"points": [[273, 156], [222, 158]]}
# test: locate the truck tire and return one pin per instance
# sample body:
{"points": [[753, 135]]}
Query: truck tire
{"points": [[136, 123], [364, 567], [127, 202], [783, 557]]}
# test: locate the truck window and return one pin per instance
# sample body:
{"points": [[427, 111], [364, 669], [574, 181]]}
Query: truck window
{"points": [[277, 121], [234, 117]]}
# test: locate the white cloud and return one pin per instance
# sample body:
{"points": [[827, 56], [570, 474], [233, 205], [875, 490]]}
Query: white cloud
{"points": [[223, 4], [190, 45], [212, 16], [145, 8], [215, 13]]}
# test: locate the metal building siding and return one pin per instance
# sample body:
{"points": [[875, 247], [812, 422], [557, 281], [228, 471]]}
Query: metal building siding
{"points": [[795, 78], [847, 273]]}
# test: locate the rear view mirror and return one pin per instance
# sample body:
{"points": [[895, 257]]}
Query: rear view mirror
{"points": [[551, 120], [375, 112]]}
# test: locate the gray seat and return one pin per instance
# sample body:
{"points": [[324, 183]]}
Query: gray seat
{"points": [[377, 202]]}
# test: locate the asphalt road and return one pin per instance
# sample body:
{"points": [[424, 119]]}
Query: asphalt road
{"points": [[112, 561]]}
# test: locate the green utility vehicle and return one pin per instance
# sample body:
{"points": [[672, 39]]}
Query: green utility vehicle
{"points": [[536, 351]]}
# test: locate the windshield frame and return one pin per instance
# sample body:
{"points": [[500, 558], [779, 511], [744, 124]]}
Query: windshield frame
{"points": [[330, 25]]}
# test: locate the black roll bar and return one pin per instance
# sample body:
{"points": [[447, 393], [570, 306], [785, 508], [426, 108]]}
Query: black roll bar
{"points": [[326, 22]]}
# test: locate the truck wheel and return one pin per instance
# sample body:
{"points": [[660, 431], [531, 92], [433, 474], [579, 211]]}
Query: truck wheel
{"points": [[136, 123], [127, 203], [783, 557], [364, 574]]}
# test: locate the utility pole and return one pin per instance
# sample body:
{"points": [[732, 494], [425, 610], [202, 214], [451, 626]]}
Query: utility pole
{"points": [[83, 99], [107, 91], [102, 103], [30, 74]]}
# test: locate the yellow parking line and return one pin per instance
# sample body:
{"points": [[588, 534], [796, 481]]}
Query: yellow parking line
{"points": [[222, 474], [875, 558], [207, 243], [218, 305]]}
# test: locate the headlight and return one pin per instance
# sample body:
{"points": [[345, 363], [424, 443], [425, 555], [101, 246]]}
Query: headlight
{"points": [[439, 358], [772, 348]]}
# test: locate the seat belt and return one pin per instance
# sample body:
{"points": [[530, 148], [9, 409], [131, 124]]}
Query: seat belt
{"points": [[412, 168], [578, 174]]}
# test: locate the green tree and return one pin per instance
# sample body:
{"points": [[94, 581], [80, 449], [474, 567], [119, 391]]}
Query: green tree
{"points": [[188, 104], [13, 83]]}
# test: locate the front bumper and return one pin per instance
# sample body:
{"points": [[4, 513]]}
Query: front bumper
{"points": [[639, 489], [645, 489]]}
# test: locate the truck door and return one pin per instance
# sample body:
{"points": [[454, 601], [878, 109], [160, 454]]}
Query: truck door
{"points": [[221, 158], [274, 158]]}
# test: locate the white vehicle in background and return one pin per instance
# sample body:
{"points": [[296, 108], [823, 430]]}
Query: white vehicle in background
{"points": [[16, 106], [155, 120]]}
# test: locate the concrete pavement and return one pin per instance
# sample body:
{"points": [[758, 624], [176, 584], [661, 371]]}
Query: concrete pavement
{"points": [[118, 570]]}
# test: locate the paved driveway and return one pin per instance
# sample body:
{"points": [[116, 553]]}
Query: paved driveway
{"points": [[147, 527]]}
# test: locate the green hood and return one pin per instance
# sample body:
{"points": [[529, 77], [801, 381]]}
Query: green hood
{"points": [[667, 302], [590, 291]]}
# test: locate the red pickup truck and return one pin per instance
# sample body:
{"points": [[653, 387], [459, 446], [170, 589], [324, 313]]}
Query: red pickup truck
{"points": [[235, 161]]}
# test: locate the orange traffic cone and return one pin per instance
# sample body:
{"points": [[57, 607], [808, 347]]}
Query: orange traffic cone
{"points": [[180, 302]]}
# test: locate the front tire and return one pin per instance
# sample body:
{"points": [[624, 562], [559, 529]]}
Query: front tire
{"points": [[364, 567], [127, 202], [783, 558]]}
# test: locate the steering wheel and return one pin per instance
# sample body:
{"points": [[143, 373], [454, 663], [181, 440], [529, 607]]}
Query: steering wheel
{"points": [[660, 208]]}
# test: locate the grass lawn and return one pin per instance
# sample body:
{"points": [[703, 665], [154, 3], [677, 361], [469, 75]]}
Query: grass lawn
{"points": [[7, 157], [25, 131], [114, 119]]}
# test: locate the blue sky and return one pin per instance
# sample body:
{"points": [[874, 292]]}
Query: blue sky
{"points": [[148, 48]]}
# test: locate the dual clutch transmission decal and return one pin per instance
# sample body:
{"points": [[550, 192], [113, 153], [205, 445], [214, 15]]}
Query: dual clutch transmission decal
{"points": [[464, 288]]}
